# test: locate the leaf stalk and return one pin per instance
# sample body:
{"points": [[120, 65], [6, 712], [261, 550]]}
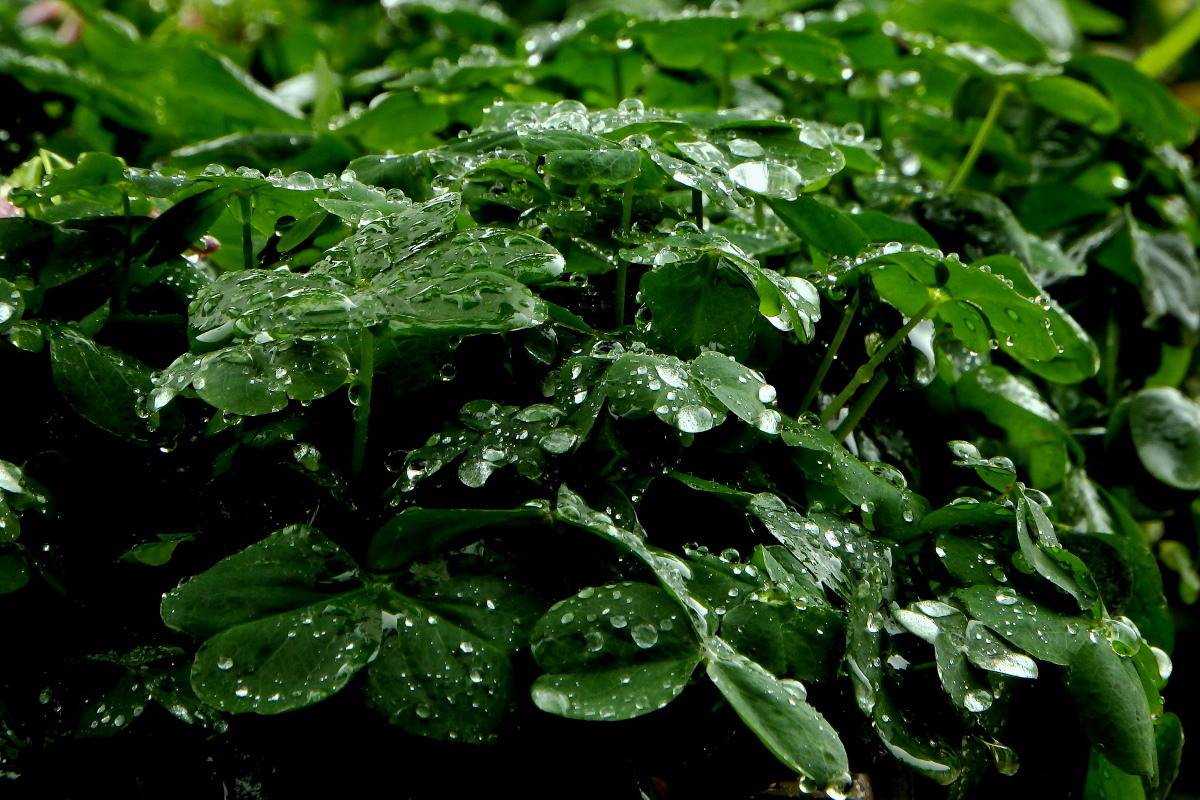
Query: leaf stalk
{"points": [[866, 372], [247, 208], [622, 267], [1174, 45], [362, 410], [830, 353], [981, 136]]}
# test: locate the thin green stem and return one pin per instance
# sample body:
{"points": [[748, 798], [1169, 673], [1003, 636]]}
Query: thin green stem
{"points": [[1174, 45], [859, 409], [618, 79], [1112, 349], [830, 354], [622, 267], [122, 293], [362, 409], [866, 372], [760, 213], [247, 231], [698, 208], [725, 88], [981, 135]]}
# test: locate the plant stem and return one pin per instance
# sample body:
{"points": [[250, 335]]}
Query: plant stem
{"points": [[830, 354], [760, 213], [1174, 45], [860, 408], [247, 231], [126, 252], [1112, 349], [618, 79], [362, 411], [981, 135], [867, 371], [698, 208], [622, 267], [725, 88]]}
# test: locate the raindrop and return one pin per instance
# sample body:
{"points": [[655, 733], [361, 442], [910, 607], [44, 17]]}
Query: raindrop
{"points": [[644, 635], [694, 419], [1006, 597]]}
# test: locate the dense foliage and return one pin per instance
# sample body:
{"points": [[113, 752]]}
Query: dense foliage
{"points": [[826, 366]]}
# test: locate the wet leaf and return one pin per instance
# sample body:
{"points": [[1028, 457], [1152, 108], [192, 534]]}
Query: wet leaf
{"points": [[599, 167], [440, 674], [417, 532], [101, 384], [777, 711], [1039, 631], [613, 652], [1166, 431], [1113, 708]]}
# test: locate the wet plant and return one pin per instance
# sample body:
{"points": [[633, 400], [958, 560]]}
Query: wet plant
{"points": [[734, 363]]}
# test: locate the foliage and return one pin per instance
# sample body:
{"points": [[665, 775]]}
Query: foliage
{"points": [[612, 362]]}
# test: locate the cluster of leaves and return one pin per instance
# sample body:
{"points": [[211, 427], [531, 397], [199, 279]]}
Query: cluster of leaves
{"points": [[734, 293]]}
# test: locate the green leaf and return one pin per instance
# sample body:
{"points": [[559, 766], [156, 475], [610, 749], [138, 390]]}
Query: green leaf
{"points": [[740, 389], [643, 384], [399, 122], [1075, 101], [417, 532], [968, 560], [1170, 275], [276, 638], [119, 707], [804, 643], [254, 379], [998, 473], [155, 554], [443, 669], [180, 226], [968, 23], [821, 225], [1166, 431], [1042, 553], [960, 643], [888, 505], [945, 629], [772, 159], [599, 167], [692, 310], [290, 659], [881, 227], [613, 652], [1031, 626], [1143, 102], [95, 171], [100, 383], [1033, 430], [1106, 782], [806, 53], [689, 42], [1112, 707], [1168, 737], [779, 715], [292, 568], [12, 305], [494, 436], [14, 570], [234, 91]]}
